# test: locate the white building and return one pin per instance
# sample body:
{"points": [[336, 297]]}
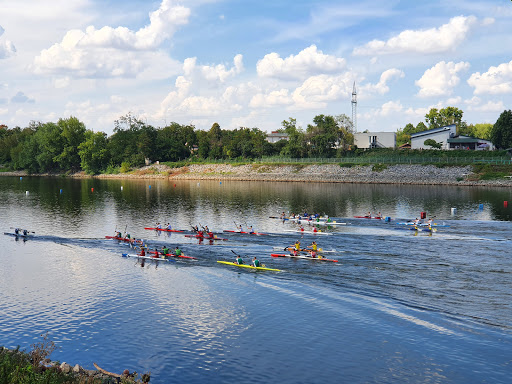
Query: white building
{"points": [[275, 136], [375, 139], [448, 138], [440, 135]]}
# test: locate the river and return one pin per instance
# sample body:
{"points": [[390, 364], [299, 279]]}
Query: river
{"points": [[399, 305]]}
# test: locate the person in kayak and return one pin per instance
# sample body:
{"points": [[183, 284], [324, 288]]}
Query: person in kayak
{"points": [[142, 252], [255, 262], [25, 232], [158, 226], [239, 260], [314, 246], [195, 229], [119, 234], [169, 226], [296, 247], [165, 250], [250, 230], [16, 231], [177, 251]]}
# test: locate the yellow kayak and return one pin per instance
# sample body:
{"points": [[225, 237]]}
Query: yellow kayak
{"points": [[248, 266]]}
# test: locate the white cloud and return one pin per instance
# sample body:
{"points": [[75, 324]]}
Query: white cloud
{"points": [[217, 73], [316, 91], [496, 80], [111, 52], [440, 79], [7, 48], [490, 106], [20, 97], [382, 86], [271, 99], [432, 40], [307, 62]]}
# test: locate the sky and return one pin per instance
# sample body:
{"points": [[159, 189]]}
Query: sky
{"points": [[253, 63]]}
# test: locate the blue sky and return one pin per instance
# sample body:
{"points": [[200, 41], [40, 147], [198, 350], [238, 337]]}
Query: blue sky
{"points": [[252, 63]]}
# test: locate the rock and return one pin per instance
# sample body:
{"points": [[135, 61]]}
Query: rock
{"points": [[65, 367], [78, 369]]}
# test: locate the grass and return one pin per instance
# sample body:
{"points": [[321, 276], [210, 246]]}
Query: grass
{"points": [[379, 167], [492, 172]]}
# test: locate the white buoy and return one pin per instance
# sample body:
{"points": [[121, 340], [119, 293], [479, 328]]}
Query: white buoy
{"points": [[26, 192], [454, 211], [121, 188]]}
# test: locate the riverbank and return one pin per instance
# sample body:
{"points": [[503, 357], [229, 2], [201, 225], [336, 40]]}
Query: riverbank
{"points": [[318, 173]]}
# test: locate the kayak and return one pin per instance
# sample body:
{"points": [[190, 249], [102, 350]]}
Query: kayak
{"points": [[145, 257], [164, 229], [424, 224], [246, 233], [368, 217], [248, 266], [123, 239], [319, 250], [172, 255], [303, 257], [18, 235], [205, 238], [308, 232], [313, 222]]}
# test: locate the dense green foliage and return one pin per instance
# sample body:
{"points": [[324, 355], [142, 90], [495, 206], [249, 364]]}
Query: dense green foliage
{"points": [[501, 133], [433, 144], [68, 146]]}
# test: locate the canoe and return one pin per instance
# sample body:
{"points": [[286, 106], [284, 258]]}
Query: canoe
{"points": [[302, 257], [146, 257], [246, 233], [205, 238], [368, 217], [120, 239], [18, 235], [425, 225], [164, 229], [172, 255], [308, 232], [248, 266], [314, 222]]}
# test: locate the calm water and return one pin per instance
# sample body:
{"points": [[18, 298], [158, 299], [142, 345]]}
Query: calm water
{"points": [[398, 307]]}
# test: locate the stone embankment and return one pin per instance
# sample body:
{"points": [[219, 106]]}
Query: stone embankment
{"points": [[333, 173], [319, 173]]}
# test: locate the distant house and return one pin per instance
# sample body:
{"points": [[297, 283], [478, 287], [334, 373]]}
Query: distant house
{"points": [[375, 140], [276, 136], [449, 139], [439, 135]]}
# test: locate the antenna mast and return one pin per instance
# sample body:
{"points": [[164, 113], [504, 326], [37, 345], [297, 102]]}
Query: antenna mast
{"points": [[354, 107]]}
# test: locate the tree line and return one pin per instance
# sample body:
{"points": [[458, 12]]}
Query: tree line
{"points": [[69, 146]]}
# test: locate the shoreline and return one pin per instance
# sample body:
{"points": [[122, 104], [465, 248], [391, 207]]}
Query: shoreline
{"points": [[409, 174]]}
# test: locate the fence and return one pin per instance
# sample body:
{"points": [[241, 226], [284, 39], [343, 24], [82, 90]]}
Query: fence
{"points": [[390, 160]]}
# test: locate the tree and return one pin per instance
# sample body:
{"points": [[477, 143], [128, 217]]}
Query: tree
{"points": [[296, 145], [432, 143], [501, 133], [445, 116], [73, 134], [93, 152]]}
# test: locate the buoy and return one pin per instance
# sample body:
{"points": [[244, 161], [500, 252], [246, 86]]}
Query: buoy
{"points": [[92, 189], [21, 177], [60, 190], [221, 182], [121, 188], [481, 206], [423, 215], [174, 185], [454, 211], [26, 192], [198, 184], [150, 187], [505, 204]]}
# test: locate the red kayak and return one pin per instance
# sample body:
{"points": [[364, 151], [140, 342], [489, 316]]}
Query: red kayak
{"points": [[122, 239], [368, 217], [246, 233], [172, 255], [303, 257], [205, 237], [164, 229]]}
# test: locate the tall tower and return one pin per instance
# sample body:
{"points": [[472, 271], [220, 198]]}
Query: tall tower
{"points": [[354, 107]]}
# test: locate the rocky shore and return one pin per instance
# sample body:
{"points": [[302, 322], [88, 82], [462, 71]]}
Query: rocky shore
{"points": [[319, 173]]}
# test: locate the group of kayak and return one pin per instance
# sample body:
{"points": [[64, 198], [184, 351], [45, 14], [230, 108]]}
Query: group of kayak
{"points": [[19, 232]]}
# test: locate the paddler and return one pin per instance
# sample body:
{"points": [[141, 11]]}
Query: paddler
{"points": [[256, 262], [296, 247], [16, 231], [239, 260], [250, 230], [119, 234], [177, 251], [314, 246], [169, 226], [165, 250], [142, 251], [158, 226]]}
